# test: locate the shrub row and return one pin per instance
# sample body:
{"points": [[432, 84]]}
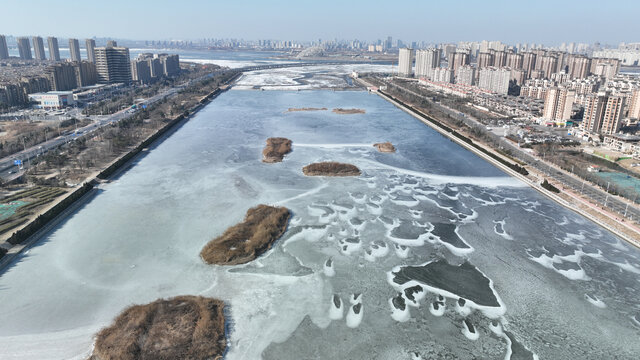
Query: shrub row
{"points": [[515, 167], [545, 184]]}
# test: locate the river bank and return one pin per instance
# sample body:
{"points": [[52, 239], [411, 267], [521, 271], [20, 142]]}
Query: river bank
{"points": [[627, 233], [28, 235]]}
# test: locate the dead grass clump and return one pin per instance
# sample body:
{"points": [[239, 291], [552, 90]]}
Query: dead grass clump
{"points": [[184, 327], [385, 147], [330, 168], [276, 149], [348, 111], [245, 241]]}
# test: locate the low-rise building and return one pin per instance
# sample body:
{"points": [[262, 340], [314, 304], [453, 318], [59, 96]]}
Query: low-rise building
{"points": [[52, 100]]}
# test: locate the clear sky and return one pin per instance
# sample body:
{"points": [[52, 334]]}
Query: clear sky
{"points": [[541, 21]]}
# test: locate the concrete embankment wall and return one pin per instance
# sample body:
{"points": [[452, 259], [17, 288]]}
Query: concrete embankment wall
{"points": [[30, 234]]}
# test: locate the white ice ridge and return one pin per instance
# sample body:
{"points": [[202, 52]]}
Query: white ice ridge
{"points": [[595, 301], [328, 268], [488, 182], [355, 314], [304, 194], [466, 330], [336, 310], [332, 146]]}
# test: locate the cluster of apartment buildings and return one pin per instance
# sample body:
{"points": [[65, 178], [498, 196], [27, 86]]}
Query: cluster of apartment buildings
{"points": [[568, 83], [109, 64]]}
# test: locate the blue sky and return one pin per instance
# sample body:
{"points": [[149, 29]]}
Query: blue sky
{"points": [[540, 21]]}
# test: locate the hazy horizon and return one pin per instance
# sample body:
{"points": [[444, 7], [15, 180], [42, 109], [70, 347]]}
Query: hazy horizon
{"points": [[547, 22]]}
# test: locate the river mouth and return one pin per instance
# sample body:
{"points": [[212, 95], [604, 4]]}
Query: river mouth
{"points": [[139, 240]]}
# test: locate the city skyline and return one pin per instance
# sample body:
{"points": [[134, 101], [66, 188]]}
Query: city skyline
{"points": [[550, 23]]}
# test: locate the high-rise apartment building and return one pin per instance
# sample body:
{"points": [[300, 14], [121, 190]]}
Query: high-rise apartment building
{"points": [[549, 65], [38, 48], [62, 77], [500, 58], [140, 71], [458, 59], [170, 64], [91, 52], [4, 50], [485, 59], [405, 62], [603, 113], [442, 74], [515, 61], [634, 104], [579, 67], [54, 50], [558, 104], [495, 79], [612, 119], [113, 65], [74, 49], [24, 48], [528, 62], [465, 75], [426, 61]]}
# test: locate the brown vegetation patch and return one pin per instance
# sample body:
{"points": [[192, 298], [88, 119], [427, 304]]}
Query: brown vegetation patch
{"points": [[385, 147], [276, 149], [184, 327], [245, 241], [348, 111], [306, 109], [330, 168]]}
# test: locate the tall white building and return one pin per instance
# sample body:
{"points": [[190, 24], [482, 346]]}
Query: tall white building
{"points": [[74, 48], [558, 104], [442, 75], [426, 61], [494, 79], [4, 50], [405, 62], [54, 50], [38, 48], [465, 75]]}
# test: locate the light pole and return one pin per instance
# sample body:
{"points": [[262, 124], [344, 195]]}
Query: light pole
{"points": [[607, 187], [625, 210]]}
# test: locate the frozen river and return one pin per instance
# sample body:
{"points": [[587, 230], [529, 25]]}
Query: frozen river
{"points": [[431, 253]]}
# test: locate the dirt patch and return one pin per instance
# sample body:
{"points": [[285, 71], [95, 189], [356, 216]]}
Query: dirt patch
{"points": [[348, 111], [184, 327], [245, 241], [330, 169], [276, 149], [385, 147], [306, 109]]}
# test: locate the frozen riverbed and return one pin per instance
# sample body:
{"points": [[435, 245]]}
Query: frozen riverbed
{"points": [[557, 286]]}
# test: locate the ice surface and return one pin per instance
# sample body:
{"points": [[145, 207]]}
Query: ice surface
{"points": [[138, 239]]}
